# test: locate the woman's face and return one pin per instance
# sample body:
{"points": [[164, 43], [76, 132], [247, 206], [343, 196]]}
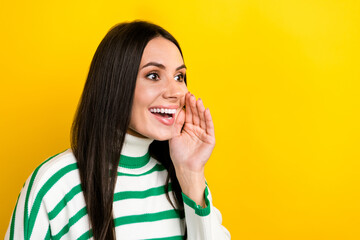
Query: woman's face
{"points": [[160, 91]]}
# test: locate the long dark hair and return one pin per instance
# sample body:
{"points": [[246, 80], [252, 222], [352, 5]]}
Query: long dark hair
{"points": [[103, 117]]}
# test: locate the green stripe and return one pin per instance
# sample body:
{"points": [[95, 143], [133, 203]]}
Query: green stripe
{"points": [[168, 238], [198, 209], [26, 217], [44, 189], [12, 225], [82, 212], [156, 168], [48, 234], [141, 194], [148, 217], [62, 203], [86, 235], [134, 162]]}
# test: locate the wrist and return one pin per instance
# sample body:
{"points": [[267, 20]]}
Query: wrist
{"points": [[193, 185]]}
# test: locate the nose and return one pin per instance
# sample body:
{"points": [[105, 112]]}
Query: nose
{"points": [[174, 90]]}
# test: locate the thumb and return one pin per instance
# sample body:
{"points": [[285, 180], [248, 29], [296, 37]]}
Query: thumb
{"points": [[179, 122]]}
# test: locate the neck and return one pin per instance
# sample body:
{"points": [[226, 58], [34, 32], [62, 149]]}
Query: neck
{"points": [[135, 146]]}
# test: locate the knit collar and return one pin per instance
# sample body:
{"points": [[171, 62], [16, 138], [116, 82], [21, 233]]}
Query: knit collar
{"points": [[135, 152]]}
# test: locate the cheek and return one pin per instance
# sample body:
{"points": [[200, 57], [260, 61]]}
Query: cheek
{"points": [[144, 96], [184, 91]]}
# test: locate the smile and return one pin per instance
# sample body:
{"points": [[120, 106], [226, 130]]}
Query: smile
{"points": [[164, 115], [163, 112]]}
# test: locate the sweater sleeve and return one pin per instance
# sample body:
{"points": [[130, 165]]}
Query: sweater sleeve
{"points": [[23, 223], [204, 223]]}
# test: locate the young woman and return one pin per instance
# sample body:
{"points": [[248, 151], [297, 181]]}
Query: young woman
{"points": [[140, 142]]}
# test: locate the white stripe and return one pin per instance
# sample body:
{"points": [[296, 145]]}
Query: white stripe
{"points": [[75, 205], [78, 229], [145, 230], [48, 169], [152, 204], [61, 188], [41, 224], [141, 183]]}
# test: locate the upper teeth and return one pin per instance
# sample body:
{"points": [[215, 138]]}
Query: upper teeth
{"points": [[163, 110]]}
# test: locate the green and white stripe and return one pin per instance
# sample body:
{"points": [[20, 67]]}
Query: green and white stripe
{"points": [[51, 204]]}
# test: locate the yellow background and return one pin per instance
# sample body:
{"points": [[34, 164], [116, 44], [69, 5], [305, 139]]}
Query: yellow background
{"points": [[281, 79]]}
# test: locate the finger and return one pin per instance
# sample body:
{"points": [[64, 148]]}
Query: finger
{"points": [[179, 122], [201, 112], [188, 117], [209, 123], [195, 115]]}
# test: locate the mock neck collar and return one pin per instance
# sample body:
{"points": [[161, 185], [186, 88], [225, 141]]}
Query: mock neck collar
{"points": [[135, 151]]}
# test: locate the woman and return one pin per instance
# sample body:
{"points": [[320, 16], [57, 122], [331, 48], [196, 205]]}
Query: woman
{"points": [[135, 169]]}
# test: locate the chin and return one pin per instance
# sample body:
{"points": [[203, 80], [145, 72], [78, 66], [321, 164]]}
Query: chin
{"points": [[160, 136], [156, 132], [163, 138]]}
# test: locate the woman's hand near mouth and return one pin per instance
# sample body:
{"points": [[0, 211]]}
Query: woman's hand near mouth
{"points": [[191, 147]]}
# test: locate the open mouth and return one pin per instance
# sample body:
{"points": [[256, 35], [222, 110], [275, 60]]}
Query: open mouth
{"points": [[163, 112]]}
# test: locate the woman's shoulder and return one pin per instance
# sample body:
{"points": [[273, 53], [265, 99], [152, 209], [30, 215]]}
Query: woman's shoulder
{"points": [[56, 165], [61, 167]]}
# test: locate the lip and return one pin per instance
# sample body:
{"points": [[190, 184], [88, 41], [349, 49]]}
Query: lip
{"points": [[165, 121], [163, 106]]}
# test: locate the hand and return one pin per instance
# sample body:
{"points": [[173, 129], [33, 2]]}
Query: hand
{"points": [[191, 147]]}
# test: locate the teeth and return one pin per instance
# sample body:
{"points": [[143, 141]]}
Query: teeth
{"points": [[163, 110]]}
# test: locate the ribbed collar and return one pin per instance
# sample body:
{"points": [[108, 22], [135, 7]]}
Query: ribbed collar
{"points": [[135, 152]]}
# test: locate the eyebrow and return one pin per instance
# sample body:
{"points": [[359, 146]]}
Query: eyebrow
{"points": [[159, 65]]}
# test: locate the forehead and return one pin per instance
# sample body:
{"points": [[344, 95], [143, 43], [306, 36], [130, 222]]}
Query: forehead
{"points": [[162, 51]]}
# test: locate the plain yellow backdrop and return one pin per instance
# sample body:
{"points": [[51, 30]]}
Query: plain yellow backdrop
{"points": [[281, 79]]}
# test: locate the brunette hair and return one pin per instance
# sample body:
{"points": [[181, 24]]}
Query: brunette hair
{"points": [[103, 117]]}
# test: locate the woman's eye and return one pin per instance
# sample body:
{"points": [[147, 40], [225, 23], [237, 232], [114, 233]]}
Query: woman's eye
{"points": [[153, 76], [180, 77]]}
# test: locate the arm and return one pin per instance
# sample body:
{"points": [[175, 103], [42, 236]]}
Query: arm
{"points": [[204, 223], [190, 149], [23, 223]]}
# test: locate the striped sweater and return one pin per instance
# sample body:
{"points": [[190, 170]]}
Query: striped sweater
{"points": [[51, 204]]}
